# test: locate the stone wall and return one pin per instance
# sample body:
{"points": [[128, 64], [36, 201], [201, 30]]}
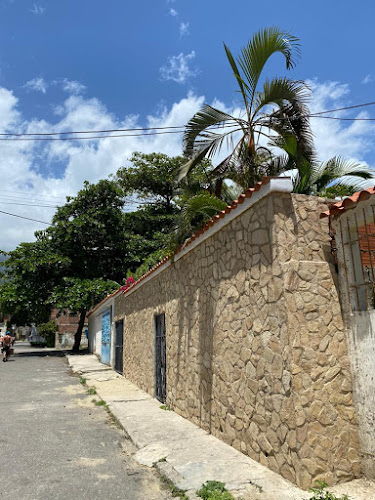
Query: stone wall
{"points": [[256, 350]]}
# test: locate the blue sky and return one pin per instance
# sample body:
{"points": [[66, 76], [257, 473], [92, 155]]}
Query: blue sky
{"points": [[89, 65]]}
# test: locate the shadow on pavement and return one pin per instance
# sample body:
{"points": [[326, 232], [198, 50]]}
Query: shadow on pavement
{"points": [[46, 352]]}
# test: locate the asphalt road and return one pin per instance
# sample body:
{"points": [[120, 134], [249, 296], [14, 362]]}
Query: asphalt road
{"points": [[56, 444]]}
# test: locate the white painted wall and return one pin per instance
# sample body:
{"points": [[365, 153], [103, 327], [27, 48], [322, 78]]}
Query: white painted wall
{"points": [[361, 332]]}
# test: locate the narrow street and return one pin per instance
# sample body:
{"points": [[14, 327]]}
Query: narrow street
{"points": [[56, 443]]}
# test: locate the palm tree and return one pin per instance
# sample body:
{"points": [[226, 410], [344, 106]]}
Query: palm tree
{"points": [[335, 177], [277, 109]]}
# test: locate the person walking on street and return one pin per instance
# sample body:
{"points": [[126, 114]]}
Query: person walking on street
{"points": [[6, 343]]}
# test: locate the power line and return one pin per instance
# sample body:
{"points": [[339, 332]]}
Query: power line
{"points": [[28, 193], [6, 202], [27, 218], [87, 138], [150, 131], [27, 199], [139, 129], [165, 129], [344, 119], [344, 108]]}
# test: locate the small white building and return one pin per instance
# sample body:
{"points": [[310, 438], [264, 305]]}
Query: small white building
{"points": [[103, 340]]}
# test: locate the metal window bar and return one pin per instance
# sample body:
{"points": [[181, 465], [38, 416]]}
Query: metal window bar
{"points": [[160, 358]]}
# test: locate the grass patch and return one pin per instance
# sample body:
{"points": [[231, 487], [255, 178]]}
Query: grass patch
{"points": [[165, 407], [321, 493], [100, 403], [176, 492], [82, 380], [214, 490], [91, 391]]}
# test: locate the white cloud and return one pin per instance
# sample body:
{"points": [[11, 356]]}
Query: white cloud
{"points": [[38, 10], [178, 68], [72, 86], [26, 167], [368, 79], [352, 139], [37, 84], [184, 29], [173, 12]]}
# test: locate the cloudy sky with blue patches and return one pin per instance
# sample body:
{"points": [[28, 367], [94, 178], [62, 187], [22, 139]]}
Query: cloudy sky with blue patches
{"points": [[90, 65]]}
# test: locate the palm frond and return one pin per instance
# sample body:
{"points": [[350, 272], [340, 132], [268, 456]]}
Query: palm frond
{"points": [[260, 48], [324, 173], [244, 88], [200, 122], [280, 91]]}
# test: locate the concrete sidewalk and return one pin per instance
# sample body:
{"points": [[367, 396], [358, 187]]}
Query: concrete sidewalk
{"points": [[185, 453]]}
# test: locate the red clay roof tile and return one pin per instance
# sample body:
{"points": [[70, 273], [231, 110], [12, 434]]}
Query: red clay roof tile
{"points": [[349, 202], [248, 193]]}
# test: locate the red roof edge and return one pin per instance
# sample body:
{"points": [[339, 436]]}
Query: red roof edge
{"points": [[347, 203], [221, 215]]}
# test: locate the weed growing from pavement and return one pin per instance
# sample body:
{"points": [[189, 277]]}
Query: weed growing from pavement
{"points": [[321, 493], [91, 391], [165, 407], [100, 403], [176, 492], [214, 490], [83, 380]]}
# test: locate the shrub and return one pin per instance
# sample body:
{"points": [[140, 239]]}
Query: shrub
{"points": [[48, 331], [214, 490], [321, 493]]}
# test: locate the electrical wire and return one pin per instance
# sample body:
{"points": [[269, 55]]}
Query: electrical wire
{"points": [[139, 129], [344, 108], [28, 193], [26, 218], [344, 119], [6, 202], [87, 138], [146, 131]]}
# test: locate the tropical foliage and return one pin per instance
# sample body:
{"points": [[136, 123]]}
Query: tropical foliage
{"points": [[272, 135], [273, 109]]}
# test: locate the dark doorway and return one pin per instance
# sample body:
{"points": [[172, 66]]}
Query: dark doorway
{"points": [[119, 346], [160, 359]]}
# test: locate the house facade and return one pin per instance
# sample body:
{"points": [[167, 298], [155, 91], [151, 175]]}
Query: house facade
{"points": [[66, 326], [352, 224], [104, 339]]}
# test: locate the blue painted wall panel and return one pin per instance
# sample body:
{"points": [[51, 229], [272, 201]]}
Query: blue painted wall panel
{"points": [[106, 337]]}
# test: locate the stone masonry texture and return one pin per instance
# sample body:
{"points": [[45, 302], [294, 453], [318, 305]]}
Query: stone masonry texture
{"points": [[256, 348]]}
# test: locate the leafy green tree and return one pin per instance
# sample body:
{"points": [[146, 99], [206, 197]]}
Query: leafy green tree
{"points": [[152, 177], [80, 295], [89, 231], [275, 109], [161, 221], [86, 246], [30, 273]]}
